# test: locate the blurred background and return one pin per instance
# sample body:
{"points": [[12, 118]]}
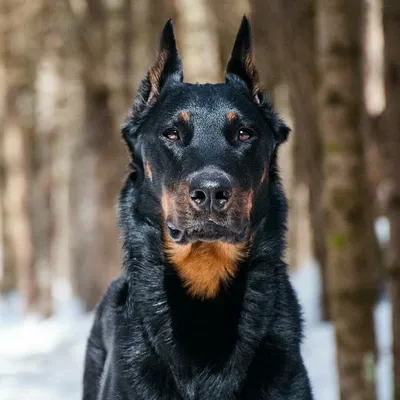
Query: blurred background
{"points": [[68, 74]]}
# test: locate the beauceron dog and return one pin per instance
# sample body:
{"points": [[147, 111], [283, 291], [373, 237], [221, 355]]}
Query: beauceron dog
{"points": [[204, 308]]}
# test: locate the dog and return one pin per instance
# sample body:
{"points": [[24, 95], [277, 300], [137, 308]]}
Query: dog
{"points": [[204, 308]]}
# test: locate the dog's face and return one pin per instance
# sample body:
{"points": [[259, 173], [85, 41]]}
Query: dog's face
{"points": [[206, 153], [205, 150]]}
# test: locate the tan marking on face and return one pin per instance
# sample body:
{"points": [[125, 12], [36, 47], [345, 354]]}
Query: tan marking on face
{"points": [[249, 203], [147, 168], [264, 174], [204, 267], [165, 204], [172, 201], [231, 116], [184, 116]]}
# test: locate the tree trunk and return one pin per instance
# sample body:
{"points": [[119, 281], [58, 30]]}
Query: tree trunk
{"points": [[267, 44], [198, 38], [292, 48], [374, 93], [147, 26], [391, 23], [231, 13], [68, 125], [119, 30], [300, 70], [96, 169], [350, 235], [127, 51], [19, 125], [374, 98], [7, 272], [42, 156]]}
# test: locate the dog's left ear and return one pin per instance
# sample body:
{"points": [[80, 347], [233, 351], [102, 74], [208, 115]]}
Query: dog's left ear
{"points": [[241, 64]]}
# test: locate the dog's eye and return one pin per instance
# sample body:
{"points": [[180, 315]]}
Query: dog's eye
{"points": [[245, 134], [172, 134]]}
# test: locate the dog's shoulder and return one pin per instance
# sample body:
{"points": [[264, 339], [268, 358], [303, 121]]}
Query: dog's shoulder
{"points": [[114, 295], [105, 313]]}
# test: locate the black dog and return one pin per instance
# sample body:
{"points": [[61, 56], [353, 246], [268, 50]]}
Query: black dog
{"points": [[204, 309]]}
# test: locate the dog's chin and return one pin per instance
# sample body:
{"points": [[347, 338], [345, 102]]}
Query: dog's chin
{"points": [[208, 233]]}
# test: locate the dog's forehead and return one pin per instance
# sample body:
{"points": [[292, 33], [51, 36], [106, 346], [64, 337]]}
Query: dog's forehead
{"points": [[192, 101]]}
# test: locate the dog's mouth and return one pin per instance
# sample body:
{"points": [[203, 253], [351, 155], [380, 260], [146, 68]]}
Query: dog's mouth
{"points": [[209, 232]]}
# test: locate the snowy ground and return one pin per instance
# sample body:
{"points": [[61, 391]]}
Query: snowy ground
{"points": [[43, 360]]}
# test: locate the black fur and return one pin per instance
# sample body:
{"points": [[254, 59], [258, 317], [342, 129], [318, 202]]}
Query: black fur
{"points": [[152, 340]]}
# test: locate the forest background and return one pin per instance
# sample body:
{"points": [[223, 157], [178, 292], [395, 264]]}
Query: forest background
{"points": [[69, 70]]}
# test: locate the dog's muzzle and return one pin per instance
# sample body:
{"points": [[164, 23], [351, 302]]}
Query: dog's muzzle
{"points": [[208, 232]]}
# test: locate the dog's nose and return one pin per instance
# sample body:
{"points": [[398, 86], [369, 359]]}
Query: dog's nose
{"points": [[210, 191]]}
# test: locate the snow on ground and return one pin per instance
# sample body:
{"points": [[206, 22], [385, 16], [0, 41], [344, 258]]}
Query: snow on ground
{"points": [[43, 360]]}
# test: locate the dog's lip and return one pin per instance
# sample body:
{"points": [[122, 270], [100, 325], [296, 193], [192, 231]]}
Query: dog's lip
{"points": [[175, 234], [211, 232]]}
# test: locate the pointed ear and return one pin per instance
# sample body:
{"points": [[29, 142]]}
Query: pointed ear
{"points": [[168, 65], [241, 64]]}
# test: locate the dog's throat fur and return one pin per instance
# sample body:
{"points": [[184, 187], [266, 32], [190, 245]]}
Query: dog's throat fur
{"points": [[204, 267]]}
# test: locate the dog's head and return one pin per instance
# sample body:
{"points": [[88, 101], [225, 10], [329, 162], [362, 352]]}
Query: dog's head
{"points": [[204, 151]]}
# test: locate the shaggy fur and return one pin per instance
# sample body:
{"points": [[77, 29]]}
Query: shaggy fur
{"points": [[204, 309]]}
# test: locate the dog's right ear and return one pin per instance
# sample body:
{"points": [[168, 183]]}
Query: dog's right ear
{"points": [[168, 66]]}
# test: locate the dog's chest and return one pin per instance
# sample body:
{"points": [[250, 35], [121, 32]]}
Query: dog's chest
{"points": [[152, 377]]}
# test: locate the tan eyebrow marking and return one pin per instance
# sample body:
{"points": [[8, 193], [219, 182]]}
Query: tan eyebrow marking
{"points": [[231, 116], [184, 116], [147, 168]]}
